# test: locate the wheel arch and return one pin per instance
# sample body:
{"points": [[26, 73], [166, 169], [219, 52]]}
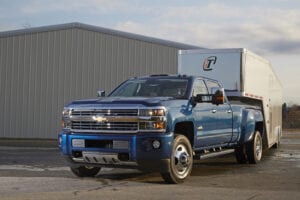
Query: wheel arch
{"points": [[259, 126], [252, 121], [185, 128]]}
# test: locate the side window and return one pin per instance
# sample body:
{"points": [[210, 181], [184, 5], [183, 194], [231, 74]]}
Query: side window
{"points": [[199, 87], [211, 84]]}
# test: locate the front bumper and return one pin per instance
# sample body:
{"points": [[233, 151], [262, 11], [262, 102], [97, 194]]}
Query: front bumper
{"points": [[118, 150]]}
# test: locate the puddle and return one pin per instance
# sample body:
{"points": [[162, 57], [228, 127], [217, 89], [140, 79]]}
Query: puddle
{"points": [[289, 156], [290, 142], [292, 156]]}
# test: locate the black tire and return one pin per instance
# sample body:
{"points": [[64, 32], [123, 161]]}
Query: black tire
{"points": [[277, 144], [84, 171], [181, 161], [240, 154], [254, 149]]}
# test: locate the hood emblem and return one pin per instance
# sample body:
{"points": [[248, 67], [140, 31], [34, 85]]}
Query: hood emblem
{"points": [[99, 119]]}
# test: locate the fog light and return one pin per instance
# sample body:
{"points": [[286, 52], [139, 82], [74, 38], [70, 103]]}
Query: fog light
{"points": [[156, 144]]}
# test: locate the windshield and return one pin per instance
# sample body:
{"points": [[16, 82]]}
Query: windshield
{"points": [[153, 87]]}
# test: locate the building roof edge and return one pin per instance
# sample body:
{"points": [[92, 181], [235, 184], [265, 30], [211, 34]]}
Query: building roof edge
{"points": [[97, 29]]}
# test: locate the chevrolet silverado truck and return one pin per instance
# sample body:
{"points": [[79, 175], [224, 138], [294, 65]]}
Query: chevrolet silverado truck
{"points": [[163, 123]]}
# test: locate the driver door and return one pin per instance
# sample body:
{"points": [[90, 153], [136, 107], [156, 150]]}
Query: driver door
{"points": [[213, 122]]}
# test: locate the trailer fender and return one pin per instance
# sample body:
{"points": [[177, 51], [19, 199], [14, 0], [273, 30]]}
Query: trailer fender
{"points": [[250, 119]]}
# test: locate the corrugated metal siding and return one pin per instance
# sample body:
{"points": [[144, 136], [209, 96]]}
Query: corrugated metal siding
{"points": [[40, 72]]}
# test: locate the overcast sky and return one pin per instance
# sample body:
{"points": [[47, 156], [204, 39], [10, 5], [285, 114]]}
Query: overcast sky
{"points": [[270, 28]]}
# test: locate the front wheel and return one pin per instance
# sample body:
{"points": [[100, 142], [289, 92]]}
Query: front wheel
{"points": [[181, 161], [254, 149], [85, 171]]}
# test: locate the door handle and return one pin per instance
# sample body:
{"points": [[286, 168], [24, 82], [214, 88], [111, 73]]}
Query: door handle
{"points": [[229, 111], [214, 111]]}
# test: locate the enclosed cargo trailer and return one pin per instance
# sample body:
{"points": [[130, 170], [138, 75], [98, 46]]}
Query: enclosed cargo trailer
{"points": [[246, 77]]}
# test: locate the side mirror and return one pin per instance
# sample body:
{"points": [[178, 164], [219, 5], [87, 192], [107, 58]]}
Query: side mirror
{"points": [[201, 98], [101, 93], [218, 96]]}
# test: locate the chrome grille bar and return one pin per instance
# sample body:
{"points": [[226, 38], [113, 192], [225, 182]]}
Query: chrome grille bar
{"points": [[112, 120], [113, 126], [106, 112]]}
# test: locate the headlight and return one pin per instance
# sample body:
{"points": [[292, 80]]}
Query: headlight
{"points": [[66, 112], [65, 122], [152, 120], [66, 125], [152, 112], [152, 125]]}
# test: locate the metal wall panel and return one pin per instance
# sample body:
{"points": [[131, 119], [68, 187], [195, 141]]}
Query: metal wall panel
{"points": [[40, 72]]}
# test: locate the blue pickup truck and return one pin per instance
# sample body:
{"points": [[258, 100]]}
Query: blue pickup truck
{"points": [[160, 123]]}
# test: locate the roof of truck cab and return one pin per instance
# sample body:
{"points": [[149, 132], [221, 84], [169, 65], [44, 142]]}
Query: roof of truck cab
{"points": [[175, 76]]}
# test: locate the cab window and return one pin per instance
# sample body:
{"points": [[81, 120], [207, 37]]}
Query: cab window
{"points": [[199, 87], [211, 84]]}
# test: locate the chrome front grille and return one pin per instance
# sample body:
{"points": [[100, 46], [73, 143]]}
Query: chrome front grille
{"points": [[106, 112], [104, 126], [114, 120], [104, 120]]}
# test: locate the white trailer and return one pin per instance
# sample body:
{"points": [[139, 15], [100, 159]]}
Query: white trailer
{"points": [[245, 76]]}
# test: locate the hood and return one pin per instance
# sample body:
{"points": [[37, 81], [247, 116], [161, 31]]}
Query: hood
{"points": [[145, 101]]}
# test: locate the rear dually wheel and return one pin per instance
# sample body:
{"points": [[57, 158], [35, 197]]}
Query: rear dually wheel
{"points": [[254, 149]]}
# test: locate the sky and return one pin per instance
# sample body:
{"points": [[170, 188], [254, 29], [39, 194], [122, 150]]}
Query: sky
{"points": [[270, 28]]}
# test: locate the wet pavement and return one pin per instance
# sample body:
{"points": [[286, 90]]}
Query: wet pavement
{"points": [[39, 172]]}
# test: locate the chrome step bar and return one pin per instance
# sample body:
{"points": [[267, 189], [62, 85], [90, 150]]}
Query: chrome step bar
{"points": [[214, 154]]}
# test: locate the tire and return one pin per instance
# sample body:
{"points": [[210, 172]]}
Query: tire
{"points": [[277, 144], [181, 161], [85, 171], [254, 149], [240, 154]]}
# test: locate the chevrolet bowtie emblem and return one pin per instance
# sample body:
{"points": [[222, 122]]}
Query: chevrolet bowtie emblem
{"points": [[100, 119]]}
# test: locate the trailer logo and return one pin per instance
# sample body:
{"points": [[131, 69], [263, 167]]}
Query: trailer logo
{"points": [[211, 60]]}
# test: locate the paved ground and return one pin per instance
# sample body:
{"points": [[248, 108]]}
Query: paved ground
{"points": [[32, 172]]}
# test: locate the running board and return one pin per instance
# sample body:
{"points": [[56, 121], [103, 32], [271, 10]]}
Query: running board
{"points": [[214, 154]]}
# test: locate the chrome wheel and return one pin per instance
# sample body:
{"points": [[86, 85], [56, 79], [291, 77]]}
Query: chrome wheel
{"points": [[182, 161], [258, 147], [255, 149]]}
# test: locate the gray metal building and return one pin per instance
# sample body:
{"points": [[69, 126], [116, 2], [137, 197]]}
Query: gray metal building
{"points": [[43, 68]]}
